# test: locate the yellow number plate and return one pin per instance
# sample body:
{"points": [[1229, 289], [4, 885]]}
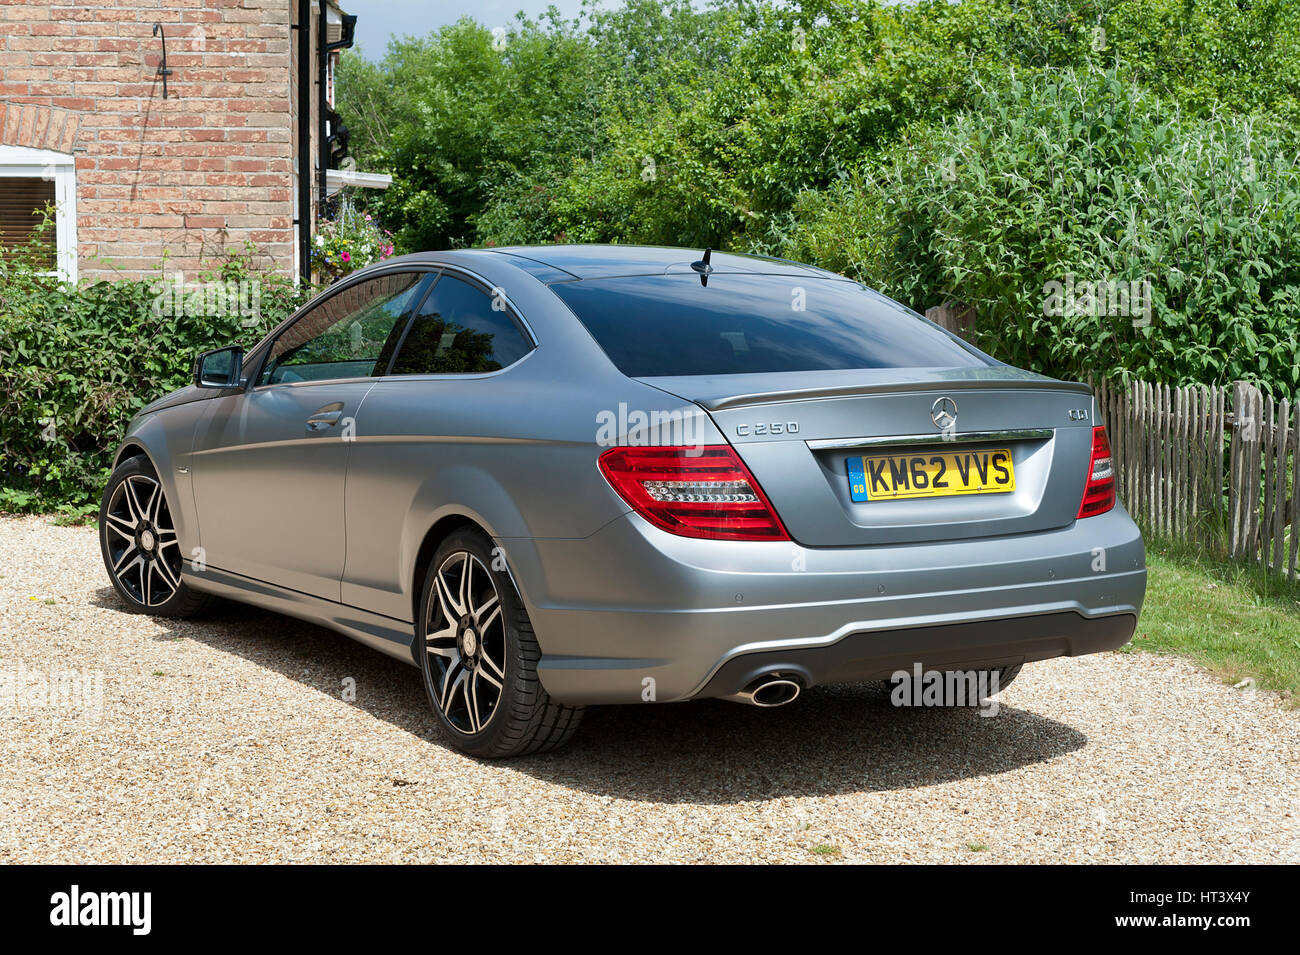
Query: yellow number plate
{"points": [[889, 477]]}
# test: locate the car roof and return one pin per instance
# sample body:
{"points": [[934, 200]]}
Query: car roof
{"points": [[560, 263]]}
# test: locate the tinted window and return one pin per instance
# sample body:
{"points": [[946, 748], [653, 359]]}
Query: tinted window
{"points": [[671, 325], [459, 331], [352, 334]]}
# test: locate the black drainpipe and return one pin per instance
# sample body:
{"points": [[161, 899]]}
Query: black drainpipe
{"points": [[304, 220], [322, 142]]}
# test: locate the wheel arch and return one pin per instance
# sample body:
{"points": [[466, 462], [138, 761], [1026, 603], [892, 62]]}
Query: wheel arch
{"points": [[155, 439], [441, 529], [132, 448]]}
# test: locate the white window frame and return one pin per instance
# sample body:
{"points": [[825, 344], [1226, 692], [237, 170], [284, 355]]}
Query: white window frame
{"points": [[20, 161]]}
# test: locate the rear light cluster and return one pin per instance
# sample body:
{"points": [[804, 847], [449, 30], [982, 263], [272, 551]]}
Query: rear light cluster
{"points": [[1099, 492], [693, 492]]}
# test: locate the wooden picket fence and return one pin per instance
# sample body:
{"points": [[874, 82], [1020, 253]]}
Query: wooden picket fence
{"points": [[1209, 465]]}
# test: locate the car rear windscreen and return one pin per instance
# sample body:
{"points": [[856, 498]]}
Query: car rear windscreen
{"points": [[742, 323]]}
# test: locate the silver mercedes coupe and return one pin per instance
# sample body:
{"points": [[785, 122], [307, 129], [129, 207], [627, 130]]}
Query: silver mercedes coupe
{"points": [[571, 475]]}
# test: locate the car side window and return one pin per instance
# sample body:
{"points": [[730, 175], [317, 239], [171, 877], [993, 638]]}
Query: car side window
{"points": [[352, 334], [458, 330]]}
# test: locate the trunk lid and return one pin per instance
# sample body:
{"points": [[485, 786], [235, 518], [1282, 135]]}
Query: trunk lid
{"points": [[800, 432]]}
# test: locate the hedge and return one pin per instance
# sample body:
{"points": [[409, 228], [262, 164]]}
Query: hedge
{"points": [[77, 362]]}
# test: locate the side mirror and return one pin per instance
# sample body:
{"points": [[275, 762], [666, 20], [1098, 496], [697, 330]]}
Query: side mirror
{"points": [[220, 368]]}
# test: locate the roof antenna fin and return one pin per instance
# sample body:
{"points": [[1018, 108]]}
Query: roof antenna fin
{"points": [[703, 267]]}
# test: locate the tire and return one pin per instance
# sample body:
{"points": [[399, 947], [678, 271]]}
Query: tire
{"points": [[138, 541], [485, 706], [1007, 674]]}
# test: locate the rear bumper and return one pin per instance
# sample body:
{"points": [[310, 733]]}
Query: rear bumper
{"points": [[957, 646], [632, 613]]}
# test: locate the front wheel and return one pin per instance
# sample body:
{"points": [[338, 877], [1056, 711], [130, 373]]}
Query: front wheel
{"points": [[479, 659], [141, 550]]}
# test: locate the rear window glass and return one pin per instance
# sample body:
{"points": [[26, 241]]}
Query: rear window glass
{"points": [[661, 325], [460, 330]]}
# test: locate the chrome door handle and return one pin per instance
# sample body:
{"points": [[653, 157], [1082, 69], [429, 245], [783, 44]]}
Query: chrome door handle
{"points": [[322, 420]]}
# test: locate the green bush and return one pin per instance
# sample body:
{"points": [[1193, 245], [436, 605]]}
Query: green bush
{"points": [[801, 95], [793, 97], [76, 363], [469, 121], [452, 113], [1082, 177]]}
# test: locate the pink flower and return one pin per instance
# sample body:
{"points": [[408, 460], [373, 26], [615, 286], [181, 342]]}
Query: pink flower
{"points": [[346, 256]]}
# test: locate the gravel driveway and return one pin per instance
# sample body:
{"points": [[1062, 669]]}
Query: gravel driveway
{"points": [[229, 739]]}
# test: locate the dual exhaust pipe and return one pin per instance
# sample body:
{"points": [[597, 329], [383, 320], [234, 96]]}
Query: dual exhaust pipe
{"points": [[769, 690]]}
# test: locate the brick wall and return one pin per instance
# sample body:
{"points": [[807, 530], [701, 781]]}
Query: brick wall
{"points": [[207, 168]]}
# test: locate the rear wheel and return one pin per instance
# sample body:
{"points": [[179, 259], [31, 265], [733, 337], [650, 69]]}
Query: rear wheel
{"points": [[1006, 675], [480, 657], [141, 550]]}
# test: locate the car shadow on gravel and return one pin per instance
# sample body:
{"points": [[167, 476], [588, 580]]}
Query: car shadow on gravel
{"points": [[832, 740], [314, 656]]}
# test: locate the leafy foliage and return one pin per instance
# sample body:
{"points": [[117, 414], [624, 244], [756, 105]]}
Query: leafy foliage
{"points": [[467, 119], [464, 108], [77, 363], [973, 151], [1074, 178]]}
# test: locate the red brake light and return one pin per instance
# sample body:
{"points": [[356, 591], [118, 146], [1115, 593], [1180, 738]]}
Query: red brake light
{"points": [[693, 492], [1099, 492]]}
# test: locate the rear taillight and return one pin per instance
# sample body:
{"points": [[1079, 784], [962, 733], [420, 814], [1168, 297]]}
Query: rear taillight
{"points": [[1099, 493], [693, 492]]}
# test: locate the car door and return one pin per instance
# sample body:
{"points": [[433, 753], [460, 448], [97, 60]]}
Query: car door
{"points": [[270, 461], [421, 426]]}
